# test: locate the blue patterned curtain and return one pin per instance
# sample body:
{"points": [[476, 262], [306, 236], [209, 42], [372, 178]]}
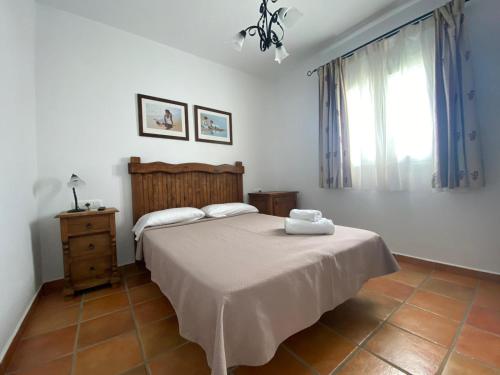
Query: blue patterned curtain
{"points": [[334, 158], [458, 161]]}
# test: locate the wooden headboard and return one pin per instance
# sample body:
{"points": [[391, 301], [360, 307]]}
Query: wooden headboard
{"points": [[157, 186]]}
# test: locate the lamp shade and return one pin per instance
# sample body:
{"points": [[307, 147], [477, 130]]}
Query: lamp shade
{"points": [[289, 16], [238, 40], [75, 181], [281, 53]]}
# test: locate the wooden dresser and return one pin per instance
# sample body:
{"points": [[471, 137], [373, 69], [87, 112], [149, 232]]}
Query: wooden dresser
{"points": [[277, 203], [89, 249]]}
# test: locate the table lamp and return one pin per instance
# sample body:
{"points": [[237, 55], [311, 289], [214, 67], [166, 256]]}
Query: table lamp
{"points": [[73, 183]]}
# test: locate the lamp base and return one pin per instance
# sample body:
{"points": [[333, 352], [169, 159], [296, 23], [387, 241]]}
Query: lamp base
{"points": [[76, 210]]}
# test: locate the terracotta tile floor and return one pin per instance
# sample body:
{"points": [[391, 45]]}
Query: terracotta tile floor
{"points": [[417, 321]]}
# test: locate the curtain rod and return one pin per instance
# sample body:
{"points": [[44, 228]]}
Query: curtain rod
{"points": [[381, 37]]}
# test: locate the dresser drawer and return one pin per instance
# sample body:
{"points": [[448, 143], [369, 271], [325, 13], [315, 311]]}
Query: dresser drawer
{"points": [[92, 244], [89, 224], [92, 268]]}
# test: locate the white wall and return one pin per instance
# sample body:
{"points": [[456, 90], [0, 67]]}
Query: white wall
{"points": [[456, 228], [88, 75], [18, 265]]}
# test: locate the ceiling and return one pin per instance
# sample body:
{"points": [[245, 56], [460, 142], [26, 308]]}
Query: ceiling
{"points": [[205, 28]]}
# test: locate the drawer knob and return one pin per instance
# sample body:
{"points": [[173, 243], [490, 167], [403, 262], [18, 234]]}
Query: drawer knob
{"points": [[91, 268], [91, 246], [89, 225]]}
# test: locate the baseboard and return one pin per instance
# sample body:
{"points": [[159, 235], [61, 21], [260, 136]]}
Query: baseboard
{"points": [[16, 336], [459, 270]]}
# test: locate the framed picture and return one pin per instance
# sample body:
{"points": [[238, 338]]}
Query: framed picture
{"points": [[162, 118], [212, 125]]}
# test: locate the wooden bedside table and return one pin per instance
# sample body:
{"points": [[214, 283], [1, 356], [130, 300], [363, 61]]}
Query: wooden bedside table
{"points": [[89, 249], [277, 203]]}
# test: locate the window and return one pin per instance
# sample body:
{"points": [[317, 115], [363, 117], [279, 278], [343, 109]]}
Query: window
{"points": [[390, 96]]}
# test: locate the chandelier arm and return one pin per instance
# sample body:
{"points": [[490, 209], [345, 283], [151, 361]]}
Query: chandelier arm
{"points": [[274, 35], [253, 30], [264, 27]]}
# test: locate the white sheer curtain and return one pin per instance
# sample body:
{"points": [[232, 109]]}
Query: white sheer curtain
{"points": [[390, 96]]}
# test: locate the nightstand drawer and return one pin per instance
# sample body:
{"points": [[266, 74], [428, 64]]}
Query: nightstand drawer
{"points": [[92, 268], [93, 244], [283, 205], [88, 224], [261, 203], [277, 203]]}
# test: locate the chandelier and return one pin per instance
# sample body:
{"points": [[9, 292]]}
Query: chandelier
{"points": [[270, 28]]}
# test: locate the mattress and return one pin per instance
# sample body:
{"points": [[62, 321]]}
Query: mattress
{"points": [[240, 286]]}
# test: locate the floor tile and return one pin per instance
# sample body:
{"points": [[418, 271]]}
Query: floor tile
{"points": [[43, 348], [153, 310], [104, 305], [448, 289], [138, 280], [487, 295], [56, 301], [461, 365], [480, 345], [61, 366], [374, 303], [367, 364], [428, 325], [105, 327], [109, 357], [43, 321], [408, 277], [282, 363], [320, 347], [407, 351], [161, 336], [141, 370], [102, 291], [467, 281], [389, 288], [485, 318], [439, 304], [351, 322], [145, 292], [188, 359]]}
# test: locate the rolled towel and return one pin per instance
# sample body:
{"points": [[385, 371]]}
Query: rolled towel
{"points": [[309, 215], [322, 226]]}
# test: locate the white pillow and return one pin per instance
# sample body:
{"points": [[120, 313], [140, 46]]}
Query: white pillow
{"points": [[228, 209], [168, 216]]}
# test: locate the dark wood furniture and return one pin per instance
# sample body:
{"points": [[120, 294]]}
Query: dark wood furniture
{"points": [[89, 249], [277, 203], [158, 186]]}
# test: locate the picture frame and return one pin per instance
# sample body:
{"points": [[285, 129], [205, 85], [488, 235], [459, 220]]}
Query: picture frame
{"points": [[162, 118], [213, 125]]}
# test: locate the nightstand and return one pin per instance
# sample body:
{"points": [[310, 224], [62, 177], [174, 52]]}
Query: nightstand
{"points": [[277, 203], [89, 249]]}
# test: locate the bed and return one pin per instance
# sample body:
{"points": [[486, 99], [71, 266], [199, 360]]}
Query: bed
{"points": [[240, 286]]}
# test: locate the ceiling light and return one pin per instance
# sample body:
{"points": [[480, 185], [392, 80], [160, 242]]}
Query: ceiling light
{"points": [[270, 28], [238, 40], [281, 53], [289, 16]]}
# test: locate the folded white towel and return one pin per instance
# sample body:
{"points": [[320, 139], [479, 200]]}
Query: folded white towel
{"points": [[322, 226], [309, 215]]}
